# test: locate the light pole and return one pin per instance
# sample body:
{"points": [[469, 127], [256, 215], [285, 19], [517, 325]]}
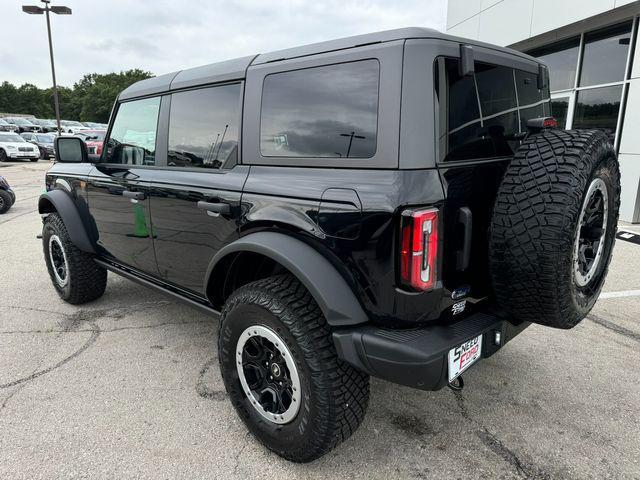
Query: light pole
{"points": [[351, 136], [36, 10]]}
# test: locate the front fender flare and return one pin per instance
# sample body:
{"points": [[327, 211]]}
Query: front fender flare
{"points": [[63, 204], [325, 284]]}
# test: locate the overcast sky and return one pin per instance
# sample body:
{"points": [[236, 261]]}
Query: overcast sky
{"points": [[166, 35]]}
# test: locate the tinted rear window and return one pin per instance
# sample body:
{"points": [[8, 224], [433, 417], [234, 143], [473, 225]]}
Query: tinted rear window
{"points": [[203, 127], [484, 115], [329, 111]]}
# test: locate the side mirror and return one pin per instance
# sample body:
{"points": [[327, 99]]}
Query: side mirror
{"points": [[71, 150]]}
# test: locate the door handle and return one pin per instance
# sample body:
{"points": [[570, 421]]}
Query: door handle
{"points": [[215, 208], [133, 195]]}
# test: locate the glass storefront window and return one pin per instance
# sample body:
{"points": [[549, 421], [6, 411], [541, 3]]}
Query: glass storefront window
{"points": [[598, 108], [605, 55], [559, 108], [562, 60]]}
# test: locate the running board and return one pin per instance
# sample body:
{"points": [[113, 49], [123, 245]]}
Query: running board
{"points": [[148, 282]]}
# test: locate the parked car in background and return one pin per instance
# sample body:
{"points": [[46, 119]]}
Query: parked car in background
{"points": [[13, 146], [94, 125], [7, 127], [71, 126], [44, 142], [23, 124], [46, 125], [94, 140], [7, 197]]}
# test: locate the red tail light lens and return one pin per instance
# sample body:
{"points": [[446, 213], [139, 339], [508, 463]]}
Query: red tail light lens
{"points": [[419, 248], [550, 122]]}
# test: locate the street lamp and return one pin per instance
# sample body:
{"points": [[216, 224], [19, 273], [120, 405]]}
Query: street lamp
{"points": [[351, 136], [36, 10]]}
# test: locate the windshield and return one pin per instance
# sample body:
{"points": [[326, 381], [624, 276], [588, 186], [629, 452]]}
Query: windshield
{"points": [[11, 137], [71, 123], [3, 122], [21, 122], [45, 138]]}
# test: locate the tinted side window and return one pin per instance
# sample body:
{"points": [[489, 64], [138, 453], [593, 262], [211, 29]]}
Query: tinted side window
{"points": [[133, 135], [328, 111], [203, 127], [485, 114]]}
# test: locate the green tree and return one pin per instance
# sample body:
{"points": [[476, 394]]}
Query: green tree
{"points": [[96, 93], [90, 99]]}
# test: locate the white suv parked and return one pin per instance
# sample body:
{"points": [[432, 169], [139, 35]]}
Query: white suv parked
{"points": [[13, 146]]}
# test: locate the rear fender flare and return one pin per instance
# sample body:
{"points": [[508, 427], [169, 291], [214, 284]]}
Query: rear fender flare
{"points": [[325, 284]]}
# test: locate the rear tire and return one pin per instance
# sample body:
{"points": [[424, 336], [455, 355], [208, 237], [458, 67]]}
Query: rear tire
{"points": [[333, 396], [553, 227], [75, 276]]}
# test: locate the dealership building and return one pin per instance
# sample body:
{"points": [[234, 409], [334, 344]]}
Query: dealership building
{"points": [[590, 48]]}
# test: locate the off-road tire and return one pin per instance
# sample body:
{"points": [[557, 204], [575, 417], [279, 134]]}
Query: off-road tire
{"points": [[334, 396], [535, 225], [6, 200], [86, 280]]}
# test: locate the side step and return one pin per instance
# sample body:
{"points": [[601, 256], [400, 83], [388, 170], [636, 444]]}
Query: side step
{"points": [[189, 299]]}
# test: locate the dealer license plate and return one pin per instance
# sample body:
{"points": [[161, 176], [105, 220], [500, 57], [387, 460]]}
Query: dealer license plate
{"points": [[463, 356]]}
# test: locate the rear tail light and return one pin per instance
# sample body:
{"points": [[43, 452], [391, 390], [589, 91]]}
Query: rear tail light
{"points": [[419, 248]]}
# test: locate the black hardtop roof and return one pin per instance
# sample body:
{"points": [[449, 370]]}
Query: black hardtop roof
{"points": [[236, 69]]}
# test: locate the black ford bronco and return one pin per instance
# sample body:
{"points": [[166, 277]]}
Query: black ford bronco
{"points": [[395, 204]]}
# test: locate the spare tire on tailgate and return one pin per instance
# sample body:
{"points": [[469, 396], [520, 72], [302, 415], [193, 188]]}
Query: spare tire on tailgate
{"points": [[553, 227]]}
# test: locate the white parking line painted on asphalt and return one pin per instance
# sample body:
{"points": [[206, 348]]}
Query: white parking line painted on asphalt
{"points": [[625, 293]]}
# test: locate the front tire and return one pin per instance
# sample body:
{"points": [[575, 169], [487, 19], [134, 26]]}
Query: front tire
{"points": [[74, 274], [270, 330], [3, 156]]}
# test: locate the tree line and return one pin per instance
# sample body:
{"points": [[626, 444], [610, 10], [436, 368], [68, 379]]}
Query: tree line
{"points": [[89, 100]]}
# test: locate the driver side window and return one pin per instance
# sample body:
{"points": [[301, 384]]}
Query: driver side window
{"points": [[133, 136]]}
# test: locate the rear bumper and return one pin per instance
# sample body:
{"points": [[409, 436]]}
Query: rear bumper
{"points": [[418, 357]]}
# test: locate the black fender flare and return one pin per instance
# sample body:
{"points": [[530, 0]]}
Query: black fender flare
{"points": [[325, 284], [61, 202]]}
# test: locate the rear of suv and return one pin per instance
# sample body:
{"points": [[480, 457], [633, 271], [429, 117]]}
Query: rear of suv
{"points": [[394, 204]]}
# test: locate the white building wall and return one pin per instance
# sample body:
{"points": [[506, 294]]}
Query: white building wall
{"points": [[531, 23], [505, 22]]}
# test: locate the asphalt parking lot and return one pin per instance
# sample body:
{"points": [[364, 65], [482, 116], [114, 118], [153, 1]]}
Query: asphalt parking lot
{"points": [[128, 387]]}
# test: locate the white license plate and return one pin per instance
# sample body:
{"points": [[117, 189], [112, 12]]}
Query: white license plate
{"points": [[463, 356]]}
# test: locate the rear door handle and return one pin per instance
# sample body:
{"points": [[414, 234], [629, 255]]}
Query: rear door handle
{"points": [[215, 208], [133, 195]]}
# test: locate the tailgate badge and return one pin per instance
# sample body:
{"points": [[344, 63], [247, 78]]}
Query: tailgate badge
{"points": [[457, 308], [460, 292]]}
